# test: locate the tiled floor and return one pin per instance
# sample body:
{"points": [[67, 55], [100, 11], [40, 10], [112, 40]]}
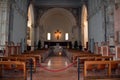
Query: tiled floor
{"points": [[56, 63]]}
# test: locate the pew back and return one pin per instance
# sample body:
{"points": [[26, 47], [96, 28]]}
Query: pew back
{"points": [[108, 63], [14, 63]]}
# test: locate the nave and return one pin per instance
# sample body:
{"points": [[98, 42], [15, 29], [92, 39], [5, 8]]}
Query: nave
{"points": [[54, 68], [55, 63], [60, 67]]}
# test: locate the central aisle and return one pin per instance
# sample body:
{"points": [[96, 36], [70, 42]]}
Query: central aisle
{"points": [[56, 63]]}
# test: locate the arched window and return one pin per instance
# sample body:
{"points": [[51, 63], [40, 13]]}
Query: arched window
{"points": [[48, 36], [66, 36]]}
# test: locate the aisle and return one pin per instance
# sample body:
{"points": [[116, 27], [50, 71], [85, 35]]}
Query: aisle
{"points": [[55, 63]]}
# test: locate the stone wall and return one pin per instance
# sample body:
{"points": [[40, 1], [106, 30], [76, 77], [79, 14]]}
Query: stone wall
{"points": [[100, 21], [13, 21], [4, 21], [19, 18], [117, 21], [65, 20]]}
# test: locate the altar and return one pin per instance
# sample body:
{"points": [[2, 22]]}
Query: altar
{"points": [[63, 43], [57, 49]]}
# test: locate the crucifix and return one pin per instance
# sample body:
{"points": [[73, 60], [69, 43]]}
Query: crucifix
{"points": [[57, 34]]}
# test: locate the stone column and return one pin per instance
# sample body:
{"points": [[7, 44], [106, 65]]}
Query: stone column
{"points": [[4, 21], [79, 25], [32, 36], [109, 19]]}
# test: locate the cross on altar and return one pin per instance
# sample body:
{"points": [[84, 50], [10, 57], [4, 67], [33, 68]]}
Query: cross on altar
{"points": [[57, 34]]}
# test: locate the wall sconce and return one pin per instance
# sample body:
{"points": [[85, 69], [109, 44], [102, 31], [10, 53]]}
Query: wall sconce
{"points": [[57, 34]]}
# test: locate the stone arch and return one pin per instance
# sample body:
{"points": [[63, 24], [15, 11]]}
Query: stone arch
{"points": [[63, 16], [84, 27], [63, 11]]}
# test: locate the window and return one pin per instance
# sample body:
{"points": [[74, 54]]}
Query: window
{"points": [[48, 36], [66, 36]]}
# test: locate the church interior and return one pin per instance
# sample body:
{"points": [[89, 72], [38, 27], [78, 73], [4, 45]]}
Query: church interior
{"points": [[59, 40]]}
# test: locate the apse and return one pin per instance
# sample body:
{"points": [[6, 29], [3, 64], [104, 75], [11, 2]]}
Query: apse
{"points": [[57, 22]]}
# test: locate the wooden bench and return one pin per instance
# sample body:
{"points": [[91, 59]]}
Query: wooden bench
{"points": [[43, 54], [23, 64], [20, 58], [95, 58], [36, 56], [83, 59], [104, 58], [110, 65], [27, 60], [85, 55]]}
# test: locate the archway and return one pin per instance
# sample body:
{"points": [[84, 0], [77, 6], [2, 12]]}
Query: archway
{"points": [[58, 11], [57, 19], [84, 28], [30, 26]]}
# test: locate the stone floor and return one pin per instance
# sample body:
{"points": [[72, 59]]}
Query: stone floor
{"points": [[56, 68], [56, 64], [53, 69]]}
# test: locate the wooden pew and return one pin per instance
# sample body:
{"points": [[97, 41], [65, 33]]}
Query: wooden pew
{"points": [[94, 58], [110, 66], [88, 58], [19, 58], [36, 56], [104, 58], [43, 54], [27, 60], [23, 64], [83, 59], [85, 55], [7, 59]]}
